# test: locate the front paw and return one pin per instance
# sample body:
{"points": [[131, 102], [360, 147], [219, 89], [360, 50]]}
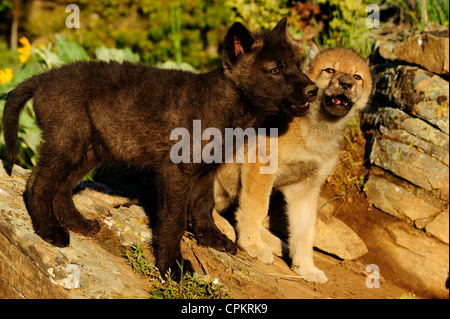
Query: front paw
{"points": [[311, 274], [261, 252], [54, 234], [215, 239]]}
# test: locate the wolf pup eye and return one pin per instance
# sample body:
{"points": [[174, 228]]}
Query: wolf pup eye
{"points": [[330, 70], [275, 70], [358, 77]]}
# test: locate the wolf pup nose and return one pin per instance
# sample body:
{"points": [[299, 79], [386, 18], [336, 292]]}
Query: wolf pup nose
{"points": [[98, 112], [311, 92], [346, 82]]}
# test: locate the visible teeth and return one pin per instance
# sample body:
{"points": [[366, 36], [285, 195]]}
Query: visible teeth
{"points": [[302, 105]]}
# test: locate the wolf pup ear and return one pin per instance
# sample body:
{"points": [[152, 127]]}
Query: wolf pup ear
{"points": [[280, 28], [237, 41], [314, 50]]}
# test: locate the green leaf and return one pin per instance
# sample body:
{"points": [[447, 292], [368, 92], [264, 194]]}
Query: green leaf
{"points": [[107, 54], [33, 139], [50, 58], [69, 51], [26, 121]]}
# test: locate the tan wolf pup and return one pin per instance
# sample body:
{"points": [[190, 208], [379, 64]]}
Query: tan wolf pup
{"points": [[307, 155]]}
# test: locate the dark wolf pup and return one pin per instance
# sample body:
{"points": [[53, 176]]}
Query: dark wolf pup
{"points": [[96, 112]]}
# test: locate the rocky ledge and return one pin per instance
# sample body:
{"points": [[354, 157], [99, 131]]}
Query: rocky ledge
{"points": [[95, 267], [408, 150], [31, 268]]}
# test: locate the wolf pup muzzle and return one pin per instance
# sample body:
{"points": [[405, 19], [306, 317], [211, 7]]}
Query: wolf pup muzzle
{"points": [[338, 100], [300, 109], [338, 105]]}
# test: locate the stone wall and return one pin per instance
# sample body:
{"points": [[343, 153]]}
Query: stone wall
{"points": [[408, 150]]}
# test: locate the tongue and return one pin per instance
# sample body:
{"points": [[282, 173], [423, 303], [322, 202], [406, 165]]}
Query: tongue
{"points": [[337, 101]]}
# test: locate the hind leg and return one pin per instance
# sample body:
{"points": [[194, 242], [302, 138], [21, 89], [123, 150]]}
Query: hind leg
{"points": [[63, 206], [40, 191]]}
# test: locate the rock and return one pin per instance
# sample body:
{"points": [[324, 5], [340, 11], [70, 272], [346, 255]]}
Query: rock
{"points": [[416, 91], [408, 148], [411, 164], [430, 50], [386, 50], [88, 268], [396, 125], [419, 260], [397, 201], [439, 227], [335, 237], [20, 276], [422, 222], [332, 235], [410, 141], [424, 246]]}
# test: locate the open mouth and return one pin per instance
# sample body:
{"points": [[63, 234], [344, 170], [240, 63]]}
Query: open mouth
{"points": [[299, 109], [340, 99], [338, 105]]}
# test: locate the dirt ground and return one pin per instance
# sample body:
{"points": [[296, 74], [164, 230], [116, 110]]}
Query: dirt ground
{"points": [[371, 224], [247, 278]]}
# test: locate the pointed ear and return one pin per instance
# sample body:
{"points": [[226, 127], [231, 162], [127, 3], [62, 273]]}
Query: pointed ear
{"points": [[314, 50], [280, 28], [237, 41]]}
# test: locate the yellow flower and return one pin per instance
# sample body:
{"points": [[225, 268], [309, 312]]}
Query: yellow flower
{"points": [[25, 50], [6, 75]]}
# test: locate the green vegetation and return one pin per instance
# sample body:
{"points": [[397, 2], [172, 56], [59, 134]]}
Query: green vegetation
{"points": [[437, 12], [347, 26], [135, 256], [189, 287], [408, 295]]}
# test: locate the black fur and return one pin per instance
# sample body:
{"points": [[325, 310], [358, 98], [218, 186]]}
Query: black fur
{"points": [[96, 112]]}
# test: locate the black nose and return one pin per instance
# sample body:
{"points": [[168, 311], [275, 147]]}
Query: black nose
{"points": [[311, 91], [346, 83]]}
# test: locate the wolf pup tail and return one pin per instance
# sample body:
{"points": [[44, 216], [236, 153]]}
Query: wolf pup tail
{"points": [[15, 102]]}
